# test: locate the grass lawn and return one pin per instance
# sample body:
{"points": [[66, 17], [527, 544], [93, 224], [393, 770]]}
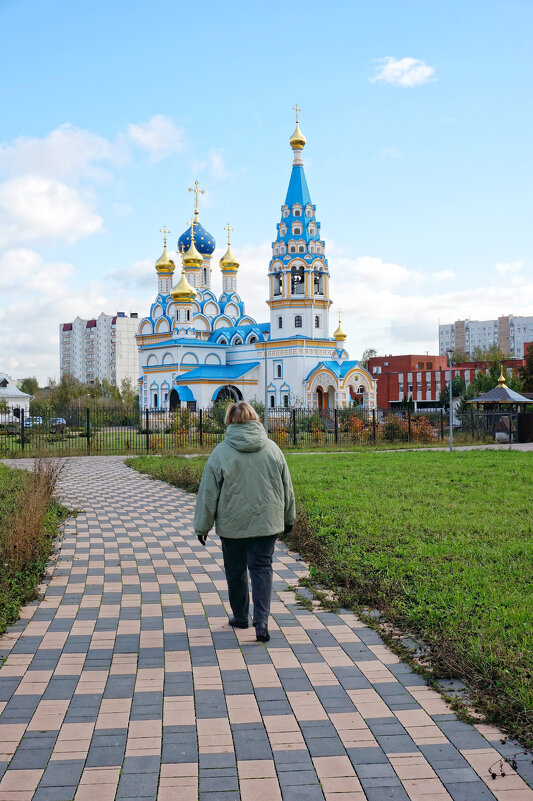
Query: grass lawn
{"points": [[441, 543], [28, 525]]}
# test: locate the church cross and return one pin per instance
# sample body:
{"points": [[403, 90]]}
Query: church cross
{"points": [[228, 228], [197, 191], [296, 108], [164, 230]]}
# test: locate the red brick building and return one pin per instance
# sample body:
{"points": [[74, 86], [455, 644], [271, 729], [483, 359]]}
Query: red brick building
{"points": [[421, 377]]}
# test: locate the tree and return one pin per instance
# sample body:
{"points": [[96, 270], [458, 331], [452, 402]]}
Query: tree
{"points": [[29, 385], [458, 390], [4, 408], [526, 373], [128, 393], [369, 353], [491, 354], [460, 355]]}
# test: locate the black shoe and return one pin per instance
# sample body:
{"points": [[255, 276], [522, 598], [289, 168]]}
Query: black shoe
{"points": [[261, 633], [238, 624]]}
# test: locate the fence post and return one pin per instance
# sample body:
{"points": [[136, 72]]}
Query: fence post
{"points": [[374, 425], [408, 425], [22, 428], [201, 426], [510, 427], [472, 421], [294, 436], [442, 423], [336, 426], [88, 429], [147, 423]]}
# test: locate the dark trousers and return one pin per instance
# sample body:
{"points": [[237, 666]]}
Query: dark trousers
{"points": [[254, 553]]}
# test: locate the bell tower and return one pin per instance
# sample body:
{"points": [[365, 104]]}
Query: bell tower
{"points": [[298, 271]]}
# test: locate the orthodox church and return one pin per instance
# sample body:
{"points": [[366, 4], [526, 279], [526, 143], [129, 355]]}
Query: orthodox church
{"points": [[196, 348]]}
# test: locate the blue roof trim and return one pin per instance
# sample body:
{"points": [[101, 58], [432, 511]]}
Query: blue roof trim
{"points": [[340, 370], [191, 342], [185, 393], [297, 191], [219, 372]]}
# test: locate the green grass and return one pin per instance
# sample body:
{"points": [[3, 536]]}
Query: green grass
{"points": [[18, 582], [441, 544]]}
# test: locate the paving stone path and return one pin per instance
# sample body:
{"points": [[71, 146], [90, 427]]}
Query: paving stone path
{"points": [[126, 682]]}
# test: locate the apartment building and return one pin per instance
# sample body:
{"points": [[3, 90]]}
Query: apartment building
{"points": [[510, 333], [104, 347]]}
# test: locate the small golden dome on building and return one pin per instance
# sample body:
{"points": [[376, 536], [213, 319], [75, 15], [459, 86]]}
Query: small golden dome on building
{"points": [[191, 257], [340, 333], [183, 292], [228, 260], [164, 264], [297, 140]]}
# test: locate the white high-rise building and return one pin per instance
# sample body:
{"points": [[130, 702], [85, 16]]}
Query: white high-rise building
{"points": [[103, 347], [510, 333]]}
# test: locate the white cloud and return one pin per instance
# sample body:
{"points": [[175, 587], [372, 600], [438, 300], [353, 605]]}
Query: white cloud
{"points": [[65, 154], [506, 268], [391, 152], [160, 137], [405, 72], [141, 274], [444, 275], [36, 208]]}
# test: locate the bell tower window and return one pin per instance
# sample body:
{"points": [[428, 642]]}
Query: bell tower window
{"points": [[280, 322], [317, 321], [297, 280], [298, 321]]}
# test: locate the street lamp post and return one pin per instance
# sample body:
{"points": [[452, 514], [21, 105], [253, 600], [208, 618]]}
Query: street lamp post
{"points": [[265, 335], [450, 355]]}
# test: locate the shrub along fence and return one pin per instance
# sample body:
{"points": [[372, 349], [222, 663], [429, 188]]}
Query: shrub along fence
{"points": [[125, 430]]}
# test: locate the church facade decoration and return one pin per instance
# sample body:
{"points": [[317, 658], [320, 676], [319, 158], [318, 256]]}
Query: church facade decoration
{"points": [[196, 347]]}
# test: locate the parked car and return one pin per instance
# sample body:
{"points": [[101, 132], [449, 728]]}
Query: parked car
{"points": [[29, 422], [57, 424]]}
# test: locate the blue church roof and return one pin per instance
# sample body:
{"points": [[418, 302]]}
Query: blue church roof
{"points": [[297, 191], [205, 243], [218, 372], [340, 370]]}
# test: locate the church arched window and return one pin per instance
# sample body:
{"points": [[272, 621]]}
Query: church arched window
{"points": [[272, 401], [292, 249], [301, 249], [297, 212], [297, 229], [276, 251], [286, 401], [317, 321], [252, 340], [298, 321], [297, 280], [361, 390], [278, 370], [222, 342], [280, 322], [238, 341]]}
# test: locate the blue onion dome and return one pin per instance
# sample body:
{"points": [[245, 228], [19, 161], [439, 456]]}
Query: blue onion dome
{"points": [[204, 241]]}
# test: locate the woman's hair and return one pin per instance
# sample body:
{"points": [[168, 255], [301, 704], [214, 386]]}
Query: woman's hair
{"points": [[240, 412]]}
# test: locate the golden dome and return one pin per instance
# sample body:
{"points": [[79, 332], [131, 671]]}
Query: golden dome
{"points": [[192, 258], [164, 264], [340, 333], [183, 292], [228, 261], [297, 140]]}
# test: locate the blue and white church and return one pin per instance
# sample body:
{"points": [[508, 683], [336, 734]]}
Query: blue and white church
{"points": [[196, 347]]}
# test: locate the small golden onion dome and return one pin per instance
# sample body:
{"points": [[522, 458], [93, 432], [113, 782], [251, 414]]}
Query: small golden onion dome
{"points": [[297, 140], [183, 292], [228, 261], [192, 258], [340, 333], [502, 379], [164, 264]]}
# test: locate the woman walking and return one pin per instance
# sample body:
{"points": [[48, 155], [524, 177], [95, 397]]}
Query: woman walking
{"points": [[246, 490]]}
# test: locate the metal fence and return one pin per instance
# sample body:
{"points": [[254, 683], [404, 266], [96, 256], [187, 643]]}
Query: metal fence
{"points": [[119, 430]]}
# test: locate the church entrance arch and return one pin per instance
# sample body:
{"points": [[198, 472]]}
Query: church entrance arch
{"points": [[174, 400], [228, 392], [320, 398]]}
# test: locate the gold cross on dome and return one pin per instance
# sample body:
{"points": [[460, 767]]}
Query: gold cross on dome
{"points": [[228, 228], [197, 191], [339, 314], [164, 230], [296, 108]]}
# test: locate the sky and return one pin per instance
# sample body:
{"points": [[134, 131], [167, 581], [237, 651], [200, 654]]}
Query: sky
{"points": [[418, 119]]}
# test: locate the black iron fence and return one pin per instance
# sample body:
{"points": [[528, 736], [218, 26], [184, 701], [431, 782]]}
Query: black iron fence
{"points": [[119, 430]]}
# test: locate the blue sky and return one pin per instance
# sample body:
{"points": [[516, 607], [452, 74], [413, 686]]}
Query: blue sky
{"points": [[418, 121]]}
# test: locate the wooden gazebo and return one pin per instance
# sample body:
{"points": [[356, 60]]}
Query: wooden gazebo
{"points": [[502, 398]]}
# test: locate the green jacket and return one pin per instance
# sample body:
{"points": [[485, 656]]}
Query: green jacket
{"points": [[246, 487]]}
